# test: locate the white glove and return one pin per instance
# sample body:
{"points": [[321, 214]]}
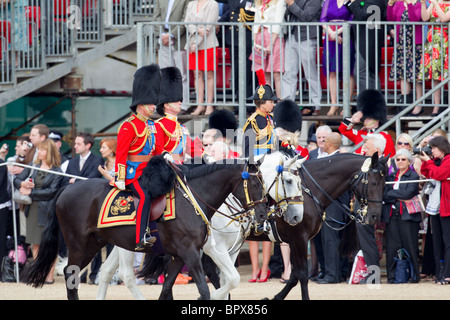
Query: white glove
{"points": [[208, 159], [168, 157], [120, 184]]}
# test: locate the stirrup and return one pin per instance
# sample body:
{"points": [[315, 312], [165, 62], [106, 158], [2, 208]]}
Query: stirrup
{"points": [[146, 242]]}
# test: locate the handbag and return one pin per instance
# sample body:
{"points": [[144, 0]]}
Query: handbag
{"points": [[259, 55], [20, 198], [414, 205], [404, 269]]}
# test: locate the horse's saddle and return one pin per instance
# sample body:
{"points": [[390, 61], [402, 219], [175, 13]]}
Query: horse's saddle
{"points": [[119, 208]]}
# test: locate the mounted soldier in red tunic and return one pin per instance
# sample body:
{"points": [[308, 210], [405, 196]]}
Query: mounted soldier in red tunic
{"points": [[138, 140], [176, 137]]}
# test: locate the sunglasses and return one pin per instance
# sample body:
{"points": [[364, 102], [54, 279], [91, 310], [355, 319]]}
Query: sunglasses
{"points": [[401, 159], [400, 143]]}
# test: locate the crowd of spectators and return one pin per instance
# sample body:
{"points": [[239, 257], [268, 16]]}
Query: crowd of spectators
{"points": [[421, 52]]}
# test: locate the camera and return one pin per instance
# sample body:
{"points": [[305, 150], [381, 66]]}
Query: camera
{"points": [[5, 146], [426, 149]]}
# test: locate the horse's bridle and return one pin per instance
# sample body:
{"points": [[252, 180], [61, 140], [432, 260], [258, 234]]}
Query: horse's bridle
{"points": [[281, 203], [363, 198], [361, 177]]}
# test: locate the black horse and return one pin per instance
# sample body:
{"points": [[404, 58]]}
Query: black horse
{"points": [[324, 180], [78, 207]]}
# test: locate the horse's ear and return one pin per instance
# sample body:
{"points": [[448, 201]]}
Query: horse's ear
{"points": [[252, 167], [290, 161], [375, 159], [299, 162], [384, 160], [260, 160]]}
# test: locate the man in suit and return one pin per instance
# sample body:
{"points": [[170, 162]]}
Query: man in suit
{"points": [[85, 164], [172, 39], [316, 245], [374, 143], [303, 51], [321, 133], [370, 35], [330, 231], [240, 11]]}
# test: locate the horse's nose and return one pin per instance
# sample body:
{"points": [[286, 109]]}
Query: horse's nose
{"points": [[296, 219], [261, 215]]}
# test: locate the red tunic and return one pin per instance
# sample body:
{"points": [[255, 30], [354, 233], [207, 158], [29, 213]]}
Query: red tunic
{"points": [[176, 139], [356, 137], [137, 140]]}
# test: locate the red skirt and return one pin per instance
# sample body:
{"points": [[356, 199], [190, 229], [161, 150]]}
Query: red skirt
{"points": [[211, 60]]}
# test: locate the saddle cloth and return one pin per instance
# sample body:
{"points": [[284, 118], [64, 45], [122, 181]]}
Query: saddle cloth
{"points": [[119, 208]]}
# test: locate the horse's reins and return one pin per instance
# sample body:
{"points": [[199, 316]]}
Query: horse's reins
{"points": [[364, 200], [191, 196], [282, 203]]}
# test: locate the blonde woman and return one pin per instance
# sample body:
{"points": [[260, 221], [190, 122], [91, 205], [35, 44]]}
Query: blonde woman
{"points": [[404, 141], [268, 51], [41, 187]]}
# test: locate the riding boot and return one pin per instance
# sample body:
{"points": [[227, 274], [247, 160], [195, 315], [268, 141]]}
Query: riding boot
{"points": [[147, 240]]}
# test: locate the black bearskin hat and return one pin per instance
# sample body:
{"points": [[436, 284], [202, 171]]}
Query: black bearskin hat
{"points": [[372, 104], [222, 120], [263, 90], [287, 115], [146, 85], [171, 89]]}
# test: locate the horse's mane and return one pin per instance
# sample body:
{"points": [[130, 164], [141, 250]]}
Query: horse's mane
{"points": [[195, 172]]}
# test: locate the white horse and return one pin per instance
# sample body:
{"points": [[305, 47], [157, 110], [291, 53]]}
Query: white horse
{"points": [[281, 182], [227, 236]]}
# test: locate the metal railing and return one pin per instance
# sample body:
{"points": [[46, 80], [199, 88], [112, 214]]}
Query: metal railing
{"points": [[13, 204], [230, 82], [51, 31]]}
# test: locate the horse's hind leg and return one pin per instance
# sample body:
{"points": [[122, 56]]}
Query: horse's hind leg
{"points": [[107, 271], [192, 259], [173, 269], [79, 258], [126, 272]]}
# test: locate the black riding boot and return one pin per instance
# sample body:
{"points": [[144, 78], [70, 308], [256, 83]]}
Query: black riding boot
{"points": [[147, 240]]}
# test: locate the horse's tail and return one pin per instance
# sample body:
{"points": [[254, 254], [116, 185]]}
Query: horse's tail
{"points": [[153, 266], [36, 272], [349, 240]]}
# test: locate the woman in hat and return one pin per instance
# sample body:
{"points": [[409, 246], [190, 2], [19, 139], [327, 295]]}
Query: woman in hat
{"points": [[259, 130]]}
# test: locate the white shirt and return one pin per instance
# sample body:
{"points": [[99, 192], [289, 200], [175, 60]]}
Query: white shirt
{"points": [[83, 159], [273, 13], [169, 10]]}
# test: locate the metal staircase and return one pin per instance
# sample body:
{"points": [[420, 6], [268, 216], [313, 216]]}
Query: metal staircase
{"points": [[44, 40]]}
